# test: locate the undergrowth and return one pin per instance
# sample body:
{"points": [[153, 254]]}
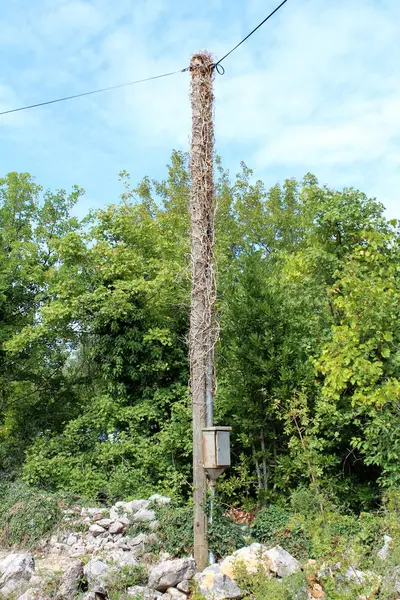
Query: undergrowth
{"points": [[27, 515]]}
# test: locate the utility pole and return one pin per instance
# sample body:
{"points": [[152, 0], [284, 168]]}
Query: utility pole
{"points": [[202, 333]]}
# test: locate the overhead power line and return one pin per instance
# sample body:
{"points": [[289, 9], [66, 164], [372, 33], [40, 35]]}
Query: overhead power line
{"points": [[250, 34], [111, 87], [216, 65]]}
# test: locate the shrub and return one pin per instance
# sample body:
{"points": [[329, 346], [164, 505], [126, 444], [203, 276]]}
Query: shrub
{"points": [[275, 525], [258, 586], [224, 535], [268, 522], [175, 530], [27, 515], [128, 576]]}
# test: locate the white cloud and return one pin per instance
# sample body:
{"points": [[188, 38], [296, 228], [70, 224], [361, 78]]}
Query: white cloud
{"points": [[316, 89]]}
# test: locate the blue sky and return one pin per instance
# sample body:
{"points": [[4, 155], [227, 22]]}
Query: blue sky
{"points": [[316, 89]]}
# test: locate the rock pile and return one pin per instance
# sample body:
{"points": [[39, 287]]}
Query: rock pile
{"points": [[87, 558], [99, 531], [218, 581]]}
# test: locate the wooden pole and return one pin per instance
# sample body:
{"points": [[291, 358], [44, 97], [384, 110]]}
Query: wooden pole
{"points": [[202, 295]]}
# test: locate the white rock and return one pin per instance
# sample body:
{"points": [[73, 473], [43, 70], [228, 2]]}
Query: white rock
{"points": [[143, 515], [30, 595], [355, 575], [184, 586], [16, 570], [71, 539], [96, 530], [176, 594], [135, 505], [169, 573], [281, 562], [144, 592], [91, 511], [391, 582], [251, 557], [127, 540], [122, 508], [384, 552], [158, 499], [105, 523], [215, 585], [99, 575], [122, 558], [70, 582], [116, 514], [116, 527]]}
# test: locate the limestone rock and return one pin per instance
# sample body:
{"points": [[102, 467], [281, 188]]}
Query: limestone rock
{"points": [[132, 542], [16, 570], [30, 594], [176, 594], [158, 499], [115, 514], [143, 515], [218, 582], [96, 530], [391, 582], [251, 557], [122, 557], [355, 575], [168, 573], [144, 592], [256, 555], [72, 539], [184, 586], [281, 562], [99, 575], [116, 527], [105, 523], [132, 506], [384, 552], [213, 584], [70, 581]]}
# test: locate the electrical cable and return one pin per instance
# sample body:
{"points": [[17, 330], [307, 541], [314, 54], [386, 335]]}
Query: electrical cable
{"points": [[111, 87], [218, 64]]}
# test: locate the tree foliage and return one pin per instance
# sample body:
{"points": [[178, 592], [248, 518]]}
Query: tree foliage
{"points": [[94, 326]]}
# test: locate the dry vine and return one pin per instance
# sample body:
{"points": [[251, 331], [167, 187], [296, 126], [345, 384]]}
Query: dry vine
{"points": [[203, 327], [202, 319]]}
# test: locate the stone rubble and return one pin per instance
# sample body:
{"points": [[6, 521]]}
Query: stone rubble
{"points": [[169, 573], [97, 543]]}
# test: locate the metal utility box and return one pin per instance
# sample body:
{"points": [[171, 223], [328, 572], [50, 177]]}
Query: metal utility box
{"points": [[216, 450]]}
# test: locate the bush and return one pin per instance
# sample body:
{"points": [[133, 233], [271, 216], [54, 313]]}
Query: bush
{"points": [[224, 535], [27, 515], [268, 522], [128, 576], [275, 525], [175, 530], [257, 586]]}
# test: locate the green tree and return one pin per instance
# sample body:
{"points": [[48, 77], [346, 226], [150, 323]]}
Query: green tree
{"points": [[33, 390]]}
